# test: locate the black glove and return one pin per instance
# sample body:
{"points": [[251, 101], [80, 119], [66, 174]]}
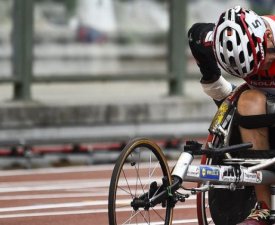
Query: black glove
{"points": [[203, 52]]}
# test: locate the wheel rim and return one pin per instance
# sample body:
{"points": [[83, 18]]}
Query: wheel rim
{"points": [[204, 215], [203, 209], [141, 166]]}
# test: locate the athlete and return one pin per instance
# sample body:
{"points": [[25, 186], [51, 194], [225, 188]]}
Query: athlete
{"points": [[242, 44]]}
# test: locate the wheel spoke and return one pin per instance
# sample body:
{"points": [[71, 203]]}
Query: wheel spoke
{"points": [[133, 214], [137, 171], [138, 180], [144, 218], [158, 214], [128, 192], [127, 183], [145, 187], [156, 191]]}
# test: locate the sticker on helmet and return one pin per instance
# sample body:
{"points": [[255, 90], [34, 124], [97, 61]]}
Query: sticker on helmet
{"points": [[256, 24]]}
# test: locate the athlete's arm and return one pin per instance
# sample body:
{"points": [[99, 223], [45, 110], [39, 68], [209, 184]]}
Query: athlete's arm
{"points": [[200, 42]]}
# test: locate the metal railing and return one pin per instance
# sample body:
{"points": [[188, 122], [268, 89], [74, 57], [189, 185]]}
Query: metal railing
{"points": [[22, 54]]}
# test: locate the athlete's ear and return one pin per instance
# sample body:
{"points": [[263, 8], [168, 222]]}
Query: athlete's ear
{"points": [[270, 42], [269, 34]]}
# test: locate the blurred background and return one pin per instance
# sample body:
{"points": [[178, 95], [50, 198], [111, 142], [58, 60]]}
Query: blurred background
{"points": [[89, 71], [78, 80]]}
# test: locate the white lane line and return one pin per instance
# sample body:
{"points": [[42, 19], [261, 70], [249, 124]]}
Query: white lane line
{"points": [[51, 196], [56, 205], [69, 205], [73, 169], [74, 212], [71, 212], [61, 195], [64, 184], [56, 170], [53, 186], [104, 182], [51, 170], [59, 184], [173, 222]]}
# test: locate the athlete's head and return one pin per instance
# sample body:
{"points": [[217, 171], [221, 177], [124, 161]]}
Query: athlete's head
{"points": [[240, 41]]}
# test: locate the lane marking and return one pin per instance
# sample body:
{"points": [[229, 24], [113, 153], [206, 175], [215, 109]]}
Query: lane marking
{"points": [[51, 196], [72, 169], [71, 212], [49, 187], [173, 222], [64, 184], [71, 205], [61, 195], [54, 206]]}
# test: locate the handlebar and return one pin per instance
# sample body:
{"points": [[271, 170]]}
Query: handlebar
{"points": [[194, 148], [228, 149]]}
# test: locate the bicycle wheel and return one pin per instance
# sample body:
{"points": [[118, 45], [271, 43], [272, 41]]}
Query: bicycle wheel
{"points": [[138, 173], [224, 207]]}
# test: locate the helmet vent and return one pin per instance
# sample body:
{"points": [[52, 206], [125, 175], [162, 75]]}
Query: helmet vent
{"points": [[241, 57], [229, 32], [222, 57], [229, 46], [232, 61], [249, 49], [254, 40]]}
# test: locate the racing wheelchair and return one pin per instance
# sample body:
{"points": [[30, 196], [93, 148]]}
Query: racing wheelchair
{"points": [[145, 190]]}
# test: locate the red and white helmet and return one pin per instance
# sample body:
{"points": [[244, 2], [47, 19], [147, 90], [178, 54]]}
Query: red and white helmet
{"points": [[240, 41]]}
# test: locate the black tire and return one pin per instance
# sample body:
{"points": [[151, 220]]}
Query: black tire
{"points": [[231, 207], [224, 207], [132, 164]]}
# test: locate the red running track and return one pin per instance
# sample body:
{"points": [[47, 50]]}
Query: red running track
{"points": [[65, 196]]}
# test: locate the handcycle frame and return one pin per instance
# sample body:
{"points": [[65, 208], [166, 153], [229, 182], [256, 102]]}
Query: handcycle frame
{"points": [[219, 167]]}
